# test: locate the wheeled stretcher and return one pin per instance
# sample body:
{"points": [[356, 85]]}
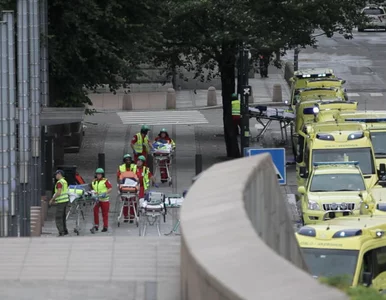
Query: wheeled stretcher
{"points": [[81, 197], [163, 154], [151, 209], [128, 189], [266, 115], [174, 203]]}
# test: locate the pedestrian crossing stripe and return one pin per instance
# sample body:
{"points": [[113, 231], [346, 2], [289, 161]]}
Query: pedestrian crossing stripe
{"points": [[376, 94], [166, 117], [353, 95], [279, 177]]}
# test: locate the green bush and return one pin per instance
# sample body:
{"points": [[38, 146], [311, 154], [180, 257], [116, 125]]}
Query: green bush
{"points": [[355, 293]]}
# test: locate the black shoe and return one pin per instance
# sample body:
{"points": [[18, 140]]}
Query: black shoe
{"points": [[60, 234], [163, 180], [126, 221], [66, 232], [104, 229], [95, 228], [131, 222]]}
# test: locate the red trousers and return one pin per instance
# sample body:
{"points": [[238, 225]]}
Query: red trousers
{"points": [[237, 123], [105, 207], [163, 169], [144, 153], [126, 208]]}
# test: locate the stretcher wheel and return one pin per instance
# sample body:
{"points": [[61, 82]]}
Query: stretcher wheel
{"points": [[170, 183], [119, 224], [137, 222]]}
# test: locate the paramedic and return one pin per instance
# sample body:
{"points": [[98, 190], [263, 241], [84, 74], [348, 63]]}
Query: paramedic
{"points": [[103, 188], [236, 113], [144, 175], [61, 199], [164, 138], [127, 166], [141, 144]]}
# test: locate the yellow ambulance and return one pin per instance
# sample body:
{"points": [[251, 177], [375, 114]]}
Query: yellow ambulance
{"points": [[351, 246], [335, 142], [334, 189], [300, 78]]}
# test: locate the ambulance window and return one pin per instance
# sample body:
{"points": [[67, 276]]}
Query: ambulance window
{"points": [[380, 255]]}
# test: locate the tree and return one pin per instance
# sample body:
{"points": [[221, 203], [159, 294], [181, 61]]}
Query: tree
{"points": [[94, 42], [207, 33]]}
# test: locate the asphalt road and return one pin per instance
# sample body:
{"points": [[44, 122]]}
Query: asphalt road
{"points": [[361, 61]]}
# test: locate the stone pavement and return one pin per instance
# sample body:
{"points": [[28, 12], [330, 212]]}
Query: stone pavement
{"points": [[90, 268]]}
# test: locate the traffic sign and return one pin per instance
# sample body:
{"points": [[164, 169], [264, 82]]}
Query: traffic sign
{"points": [[278, 158], [247, 90]]}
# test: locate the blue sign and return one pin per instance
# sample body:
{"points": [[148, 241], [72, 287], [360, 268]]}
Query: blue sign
{"points": [[278, 158]]}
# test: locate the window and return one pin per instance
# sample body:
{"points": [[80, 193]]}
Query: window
{"points": [[362, 155], [337, 183], [330, 262], [374, 261], [379, 142], [373, 11]]}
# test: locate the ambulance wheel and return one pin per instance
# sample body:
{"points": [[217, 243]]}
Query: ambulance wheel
{"points": [[119, 224]]}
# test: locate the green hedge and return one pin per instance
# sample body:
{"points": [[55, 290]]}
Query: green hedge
{"points": [[355, 293]]}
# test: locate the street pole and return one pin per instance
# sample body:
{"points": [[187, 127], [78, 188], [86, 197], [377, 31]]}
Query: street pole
{"points": [[296, 58], [244, 99]]}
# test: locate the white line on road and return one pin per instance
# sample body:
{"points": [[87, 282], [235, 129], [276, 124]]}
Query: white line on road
{"points": [[376, 94], [191, 117], [352, 94]]}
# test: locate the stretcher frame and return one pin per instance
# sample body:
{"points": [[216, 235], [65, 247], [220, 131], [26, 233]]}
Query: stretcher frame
{"points": [[167, 158], [77, 207], [151, 218], [128, 200], [266, 122]]}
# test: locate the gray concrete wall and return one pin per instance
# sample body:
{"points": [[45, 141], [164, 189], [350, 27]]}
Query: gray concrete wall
{"points": [[238, 241]]}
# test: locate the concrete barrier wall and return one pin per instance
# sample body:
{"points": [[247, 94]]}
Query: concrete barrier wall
{"points": [[238, 241]]}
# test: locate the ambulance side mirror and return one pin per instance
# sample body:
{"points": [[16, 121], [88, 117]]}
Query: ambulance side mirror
{"points": [[303, 173], [382, 171], [301, 190], [367, 278]]}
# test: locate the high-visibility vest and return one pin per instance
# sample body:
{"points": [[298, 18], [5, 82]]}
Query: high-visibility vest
{"points": [[123, 168], [100, 187], [236, 108], [145, 175], [138, 146], [64, 193]]}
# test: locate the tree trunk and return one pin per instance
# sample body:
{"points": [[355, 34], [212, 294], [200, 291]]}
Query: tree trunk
{"points": [[227, 68]]}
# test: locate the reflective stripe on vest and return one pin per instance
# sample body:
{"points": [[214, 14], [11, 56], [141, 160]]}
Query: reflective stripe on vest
{"points": [[138, 146], [64, 194], [100, 187], [145, 175], [235, 107]]}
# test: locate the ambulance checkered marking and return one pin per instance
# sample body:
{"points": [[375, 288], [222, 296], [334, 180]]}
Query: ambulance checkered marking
{"points": [[166, 117]]}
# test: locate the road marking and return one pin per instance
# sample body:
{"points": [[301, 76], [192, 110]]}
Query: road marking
{"points": [[376, 94], [352, 94], [165, 117]]}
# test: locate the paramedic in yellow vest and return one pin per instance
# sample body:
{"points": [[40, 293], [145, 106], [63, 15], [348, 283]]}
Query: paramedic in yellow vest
{"points": [[141, 144], [103, 188], [144, 175], [236, 113], [61, 199], [127, 166]]}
